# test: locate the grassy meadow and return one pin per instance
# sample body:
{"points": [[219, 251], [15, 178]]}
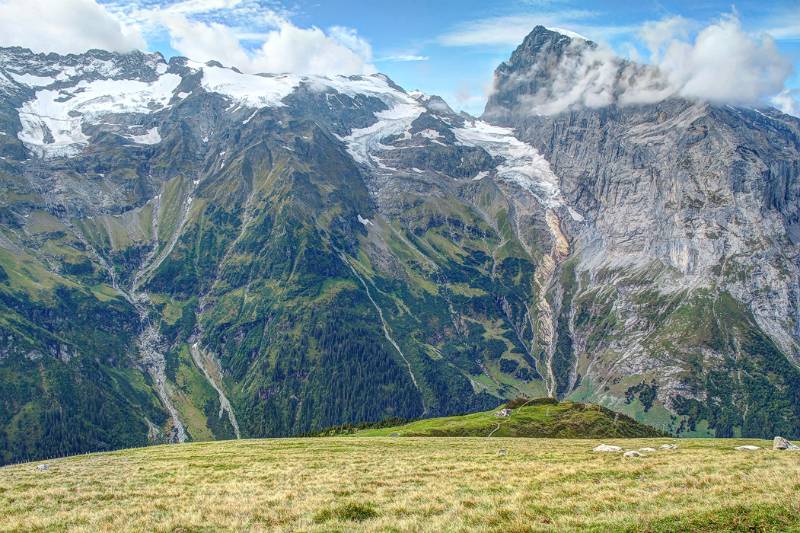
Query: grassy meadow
{"points": [[408, 484]]}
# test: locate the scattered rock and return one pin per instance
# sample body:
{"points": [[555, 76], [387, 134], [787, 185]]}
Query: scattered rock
{"points": [[43, 467], [503, 412], [748, 448], [782, 444], [502, 452], [395, 435], [632, 453], [607, 448], [647, 450], [669, 447]]}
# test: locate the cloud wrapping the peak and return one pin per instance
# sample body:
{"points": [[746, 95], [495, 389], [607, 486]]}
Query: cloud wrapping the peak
{"points": [[722, 64], [65, 26], [788, 101]]}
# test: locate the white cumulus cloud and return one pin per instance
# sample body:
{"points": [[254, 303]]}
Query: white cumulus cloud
{"points": [[65, 26], [312, 51], [286, 48], [203, 42], [237, 33], [725, 64]]}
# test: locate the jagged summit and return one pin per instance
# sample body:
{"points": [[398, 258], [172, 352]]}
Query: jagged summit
{"points": [[542, 40], [552, 72], [534, 70]]}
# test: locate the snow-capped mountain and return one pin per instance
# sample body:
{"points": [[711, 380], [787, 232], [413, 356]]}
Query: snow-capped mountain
{"points": [[191, 252]]}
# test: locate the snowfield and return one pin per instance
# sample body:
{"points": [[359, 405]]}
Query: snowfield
{"points": [[249, 90], [52, 122]]}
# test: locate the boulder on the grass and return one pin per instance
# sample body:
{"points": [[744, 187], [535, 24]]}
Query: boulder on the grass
{"points": [[632, 453], [748, 448], [782, 444]]}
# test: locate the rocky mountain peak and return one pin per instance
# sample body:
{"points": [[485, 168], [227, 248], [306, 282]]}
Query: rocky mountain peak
{"points": [[536, 68], [542, 42]]}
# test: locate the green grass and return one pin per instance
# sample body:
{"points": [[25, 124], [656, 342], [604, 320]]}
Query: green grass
{"points": [[408, 484], [538, 419]]}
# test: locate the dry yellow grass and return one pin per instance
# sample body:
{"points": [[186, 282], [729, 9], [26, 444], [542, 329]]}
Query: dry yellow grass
{"points": [[407, 484]]}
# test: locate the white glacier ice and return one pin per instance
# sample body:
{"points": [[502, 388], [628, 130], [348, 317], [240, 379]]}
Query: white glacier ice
{"points": [[52, 122], [33, 81], [403, 109], [249, 89], [522, 163]]}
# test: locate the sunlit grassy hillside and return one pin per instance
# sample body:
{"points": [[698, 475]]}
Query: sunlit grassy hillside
{"points": [[408, 484], [534, 418]]}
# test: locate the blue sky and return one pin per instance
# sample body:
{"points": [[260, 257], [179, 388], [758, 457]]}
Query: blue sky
{"points": [[451, 47], [462, 72], [443, 47]]}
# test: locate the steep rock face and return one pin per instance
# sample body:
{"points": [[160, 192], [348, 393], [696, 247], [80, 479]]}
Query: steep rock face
{"points": [[683, 281]]}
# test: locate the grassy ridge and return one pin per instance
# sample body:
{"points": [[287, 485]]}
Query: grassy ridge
{"points": [[408, 484], [539, 418]]}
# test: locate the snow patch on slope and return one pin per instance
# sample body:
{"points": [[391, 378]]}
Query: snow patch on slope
{"points": [[33, 81], [151, 137], [52, 122], [363, 144], [569, 33]]}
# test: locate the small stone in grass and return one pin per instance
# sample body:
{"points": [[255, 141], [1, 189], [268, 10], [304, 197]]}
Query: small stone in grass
{"points": [[748, 448], [632, 453], [607, 448]]}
